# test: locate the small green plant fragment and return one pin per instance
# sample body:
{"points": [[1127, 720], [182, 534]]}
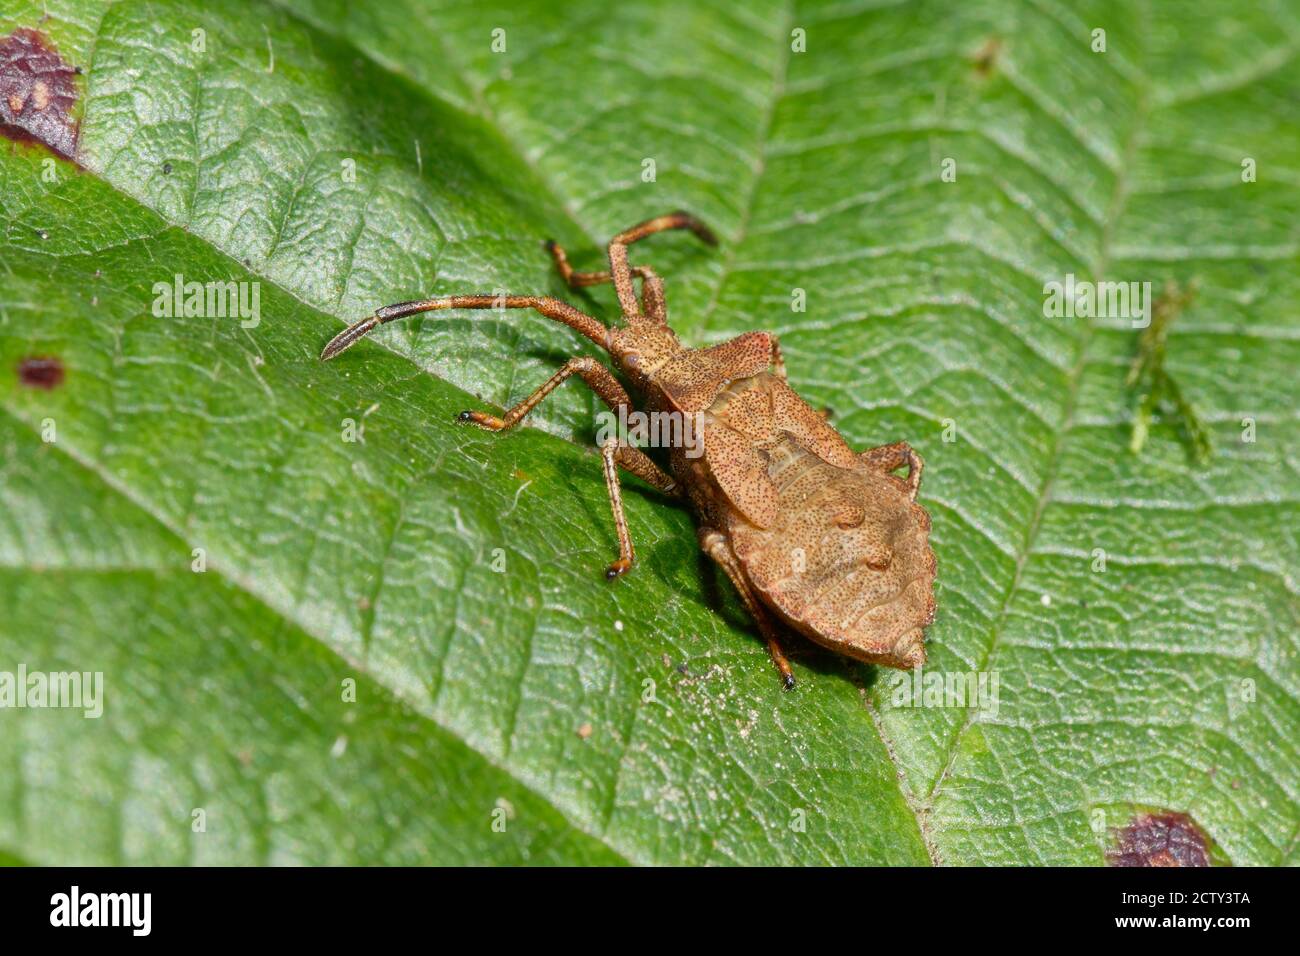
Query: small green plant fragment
{"points": [[1154, 385]]}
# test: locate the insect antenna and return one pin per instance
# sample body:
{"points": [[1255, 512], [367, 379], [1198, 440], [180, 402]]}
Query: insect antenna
{"points": [[359, 330], [345, 339], [551, 308]]}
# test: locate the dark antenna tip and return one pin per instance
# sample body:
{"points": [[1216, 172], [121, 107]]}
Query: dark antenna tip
{"points": [[348, 337], [691, 222]]}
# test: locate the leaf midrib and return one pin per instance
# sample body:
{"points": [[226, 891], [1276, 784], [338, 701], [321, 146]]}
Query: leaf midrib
{"points": [[1114, 212]]}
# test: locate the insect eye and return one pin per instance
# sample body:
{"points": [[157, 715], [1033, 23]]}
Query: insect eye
{"points": [[633, 359]]}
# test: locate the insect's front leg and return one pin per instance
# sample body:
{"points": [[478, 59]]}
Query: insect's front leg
{"points": [[613, 454], [889, 458], [597, 377], [620, 272], [652, 287], [714, 543]]}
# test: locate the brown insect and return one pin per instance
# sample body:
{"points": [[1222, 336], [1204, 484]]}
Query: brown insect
{"points": [[811, 533]]}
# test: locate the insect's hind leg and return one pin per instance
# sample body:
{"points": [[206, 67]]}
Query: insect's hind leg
{"points": [[715, 545], [778, 359], [889, 458]]}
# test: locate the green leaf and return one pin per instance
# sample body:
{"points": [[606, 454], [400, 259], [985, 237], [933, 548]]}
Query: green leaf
{"points": [[349, 680]]}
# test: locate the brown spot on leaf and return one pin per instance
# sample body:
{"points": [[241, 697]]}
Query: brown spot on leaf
{"points": [[1160, 839], [985, 58], [41, 372], [37, 93]]}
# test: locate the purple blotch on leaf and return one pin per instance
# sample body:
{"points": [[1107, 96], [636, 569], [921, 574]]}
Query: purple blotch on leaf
{"points": [[41, 372], [37, 93], [1160, 839]]}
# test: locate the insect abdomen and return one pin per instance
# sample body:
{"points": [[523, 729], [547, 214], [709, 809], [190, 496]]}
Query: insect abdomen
{"points": [[846, 560]]}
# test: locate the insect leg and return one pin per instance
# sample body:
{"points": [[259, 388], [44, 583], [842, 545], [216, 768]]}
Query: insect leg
{"points": [[644, 467], [652, 299], [597, 377], [613, 454], [621, 272], [609, 458], [652, 287], [608, 389], [715, 545], [778, 360], [547, 306], [890, 457]]}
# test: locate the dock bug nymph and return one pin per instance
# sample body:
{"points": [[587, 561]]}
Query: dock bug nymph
{"points": [[828, 540]]}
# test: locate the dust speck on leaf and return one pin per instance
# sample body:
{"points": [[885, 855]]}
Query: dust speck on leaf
{"points": [[41, 372], [37, 93], [1160, 839]]}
